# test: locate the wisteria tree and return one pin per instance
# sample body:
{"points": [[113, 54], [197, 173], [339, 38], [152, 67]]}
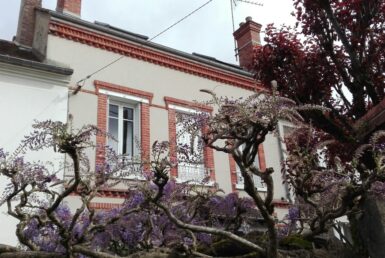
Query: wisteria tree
{"points": [[158, 215], [332, 57]]}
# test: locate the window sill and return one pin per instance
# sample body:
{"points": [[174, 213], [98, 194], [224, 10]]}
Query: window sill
{"points": [[241, 187], [128, 176], [134, 177], [189, 182]]}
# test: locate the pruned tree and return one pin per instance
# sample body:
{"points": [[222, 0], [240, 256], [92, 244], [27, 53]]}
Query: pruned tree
{"points": [[158, 215]]}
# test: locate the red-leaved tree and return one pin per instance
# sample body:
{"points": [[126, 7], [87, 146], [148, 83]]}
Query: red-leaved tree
{"points": [[332, 57]]}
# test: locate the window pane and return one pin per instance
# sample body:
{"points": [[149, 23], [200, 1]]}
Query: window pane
{"points": [[256, 161], [113, 131], [189, 134], [258, 182], [128, 138], [113, 110], [128, 113]]}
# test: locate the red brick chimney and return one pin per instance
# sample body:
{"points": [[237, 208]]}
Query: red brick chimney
{"points": [[26, 26], [72, 7], [247, 37]]}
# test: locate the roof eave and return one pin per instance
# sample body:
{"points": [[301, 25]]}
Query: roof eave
{"points": [[35, 65], [146, 43]]}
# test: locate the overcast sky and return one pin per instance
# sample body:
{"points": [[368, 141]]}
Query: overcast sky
{"points": [[208, 31]]}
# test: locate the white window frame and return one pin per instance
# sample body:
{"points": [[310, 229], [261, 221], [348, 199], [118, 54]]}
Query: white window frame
{"points": [[135, 105], [120, 118]]}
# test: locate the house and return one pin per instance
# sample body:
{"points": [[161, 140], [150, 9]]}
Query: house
{"points": [[29, 90], [142, 87]]}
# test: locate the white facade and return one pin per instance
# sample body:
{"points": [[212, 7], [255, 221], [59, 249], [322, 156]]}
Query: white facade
{"points": [[27, 95], [160, 81]]}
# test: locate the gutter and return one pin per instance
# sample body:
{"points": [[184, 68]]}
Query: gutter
{"points": [[35, 65]]}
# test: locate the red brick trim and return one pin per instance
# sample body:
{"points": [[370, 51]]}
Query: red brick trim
{"points": [[187, 104], [104, 205], [158, 106], [261, 158], [209, 162], [281, 204], [233, 166], [122, 47], [145, 132], [233, 173], [123, 89], [102, 125], [113, 193], [102, 118], [172, 140]]}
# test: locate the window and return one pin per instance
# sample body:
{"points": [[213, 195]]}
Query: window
{"points": [[124, 127], [121, 128], [190, 161], [258, 182], [124, 113], [200, 169]]}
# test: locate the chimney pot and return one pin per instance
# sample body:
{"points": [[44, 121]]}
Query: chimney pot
{"points": [[26, 26], [247, 37], [72, 7]]}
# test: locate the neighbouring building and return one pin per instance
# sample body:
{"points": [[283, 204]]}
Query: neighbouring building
{"points": [[29, 90], [137, 99]]}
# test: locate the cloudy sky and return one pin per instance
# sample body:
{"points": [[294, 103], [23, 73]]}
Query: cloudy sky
{"points": [[208, 31]]}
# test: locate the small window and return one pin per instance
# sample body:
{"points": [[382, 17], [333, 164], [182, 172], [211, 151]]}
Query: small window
{"points": [[258, 182], [190, 162], [123, 126]]}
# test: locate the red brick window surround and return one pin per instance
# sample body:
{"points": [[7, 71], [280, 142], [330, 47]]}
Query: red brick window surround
{"points": [[104, 206], [233, 167], [174, 106], [107, 91]]}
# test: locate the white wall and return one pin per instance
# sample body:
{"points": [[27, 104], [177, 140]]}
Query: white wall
{"points": [[160, 81], [25, 96]]}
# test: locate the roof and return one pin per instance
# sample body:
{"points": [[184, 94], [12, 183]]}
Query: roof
{"points": [[14, 54], [143, 41]]}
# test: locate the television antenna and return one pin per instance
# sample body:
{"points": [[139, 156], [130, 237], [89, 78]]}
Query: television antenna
{"points": [[233, 4]]}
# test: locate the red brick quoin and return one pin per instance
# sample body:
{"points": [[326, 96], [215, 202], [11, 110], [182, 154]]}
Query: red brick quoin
{"points": [[207, 152], [102, 117]]}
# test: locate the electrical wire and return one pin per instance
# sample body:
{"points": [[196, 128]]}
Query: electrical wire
{"points": [[250, 2], [80, 83], [232, 20]]}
